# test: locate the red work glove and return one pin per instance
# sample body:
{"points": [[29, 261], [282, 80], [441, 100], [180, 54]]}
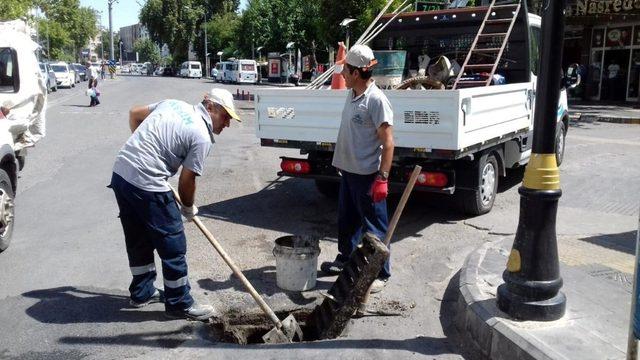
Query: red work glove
{"points": [[379, 190]]}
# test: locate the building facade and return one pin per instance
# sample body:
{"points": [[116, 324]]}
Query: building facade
{"points": [[129, 35], [604, 37]]}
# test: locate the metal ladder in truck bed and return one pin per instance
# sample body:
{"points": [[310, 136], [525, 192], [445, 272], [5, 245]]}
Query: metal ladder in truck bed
{"points": [[499, 28]]}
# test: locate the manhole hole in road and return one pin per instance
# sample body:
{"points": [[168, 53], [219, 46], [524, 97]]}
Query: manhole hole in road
{"points": [[247, 329]]}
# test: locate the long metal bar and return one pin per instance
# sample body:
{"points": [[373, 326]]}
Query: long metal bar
{"points": [[375, 20], [387, 23]]}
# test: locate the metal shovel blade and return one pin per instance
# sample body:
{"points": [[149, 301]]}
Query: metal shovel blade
{"points": [[289, 331]]}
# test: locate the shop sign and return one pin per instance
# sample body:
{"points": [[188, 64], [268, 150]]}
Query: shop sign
{"points": [[600, 7]]}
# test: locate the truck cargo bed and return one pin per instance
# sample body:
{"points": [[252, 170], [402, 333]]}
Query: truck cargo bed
{"points": [[427, 120]]}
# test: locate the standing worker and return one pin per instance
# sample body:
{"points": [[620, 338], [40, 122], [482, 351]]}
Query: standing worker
{"points": [[166, 135], [363, 154]]}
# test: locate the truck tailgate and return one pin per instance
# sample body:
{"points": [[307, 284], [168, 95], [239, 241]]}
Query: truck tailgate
{"points": [[427, 119]]}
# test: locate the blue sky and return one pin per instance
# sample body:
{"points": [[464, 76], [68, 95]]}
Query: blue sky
{"points": [[125, 12]]}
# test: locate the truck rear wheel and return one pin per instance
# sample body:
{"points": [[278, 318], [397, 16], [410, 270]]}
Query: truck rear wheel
{"points": [[6, 210], [480, 201], [329, 189]]}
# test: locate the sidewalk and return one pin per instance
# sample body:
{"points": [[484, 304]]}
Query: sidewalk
{"points": [[595, 325], [615, 113]]}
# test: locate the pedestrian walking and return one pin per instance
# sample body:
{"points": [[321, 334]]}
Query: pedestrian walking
{"points": [[363, 155], [93, 76], [166, 136], [103, 69]]}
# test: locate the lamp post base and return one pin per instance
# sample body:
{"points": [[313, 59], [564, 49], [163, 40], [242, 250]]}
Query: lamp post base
{"points": [[521, 308]]}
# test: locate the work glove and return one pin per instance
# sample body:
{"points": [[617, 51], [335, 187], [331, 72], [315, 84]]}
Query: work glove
{"points": [[188, 211], [379, 190]]}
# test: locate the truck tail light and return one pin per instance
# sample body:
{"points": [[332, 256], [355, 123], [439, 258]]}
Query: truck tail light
{"points": [[433, 179], [295, 166]]}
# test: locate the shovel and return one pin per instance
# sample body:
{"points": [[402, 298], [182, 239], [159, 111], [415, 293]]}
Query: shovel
{"points": [[284, 331], [362, 308]]}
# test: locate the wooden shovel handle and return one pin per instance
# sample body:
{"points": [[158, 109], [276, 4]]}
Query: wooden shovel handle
{"points": [[401, 204], [396, 216], [236, 270]]}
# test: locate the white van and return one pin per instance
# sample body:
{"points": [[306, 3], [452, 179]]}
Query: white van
{"points": [[245, 71], [191, 69], [225, 71]]}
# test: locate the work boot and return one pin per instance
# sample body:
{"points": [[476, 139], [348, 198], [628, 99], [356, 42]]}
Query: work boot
{"points": [[332, 267], [157, 297], [197, 311], [378, 285]]}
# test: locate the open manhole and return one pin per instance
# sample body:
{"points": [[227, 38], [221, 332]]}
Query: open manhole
{"points": [[245, 329]]}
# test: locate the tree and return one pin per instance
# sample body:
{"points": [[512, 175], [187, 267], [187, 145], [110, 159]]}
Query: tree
{"points": [[178, 23], [58, 38], [147, 51], [104, 37], [14, 9], [173, 22], [274, 23], [78, 22]]}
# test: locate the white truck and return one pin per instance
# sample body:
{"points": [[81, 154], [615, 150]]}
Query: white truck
{"points": [[23, 98], [464, 139]]}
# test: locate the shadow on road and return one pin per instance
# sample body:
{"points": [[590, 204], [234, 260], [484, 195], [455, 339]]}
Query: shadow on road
{"points": [[264, 281], [72, 305], [624, 242], [294, 206]]}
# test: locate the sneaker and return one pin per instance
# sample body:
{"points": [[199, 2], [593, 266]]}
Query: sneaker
{"points": [[157, 297], [195, 312], [378, 285], [332, 267]]}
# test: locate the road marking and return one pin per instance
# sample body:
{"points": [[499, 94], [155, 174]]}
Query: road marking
{"points": [[574, 252]]}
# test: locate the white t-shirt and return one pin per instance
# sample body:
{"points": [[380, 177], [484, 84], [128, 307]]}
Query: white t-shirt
{"points": [[94, 72], [175, 133]]}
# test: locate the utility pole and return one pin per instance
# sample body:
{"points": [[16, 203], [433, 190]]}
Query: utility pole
{"points": [[206, 47], [110, 3], [532, 279]]}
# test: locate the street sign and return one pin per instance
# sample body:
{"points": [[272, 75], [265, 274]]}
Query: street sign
{"points": [[431, 5]]}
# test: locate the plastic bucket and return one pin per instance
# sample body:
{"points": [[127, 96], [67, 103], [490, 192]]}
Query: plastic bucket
{"points": [[296, 262]]}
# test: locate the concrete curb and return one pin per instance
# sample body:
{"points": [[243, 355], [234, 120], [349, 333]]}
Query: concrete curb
{"points": [[608, 119], [593, 327]]}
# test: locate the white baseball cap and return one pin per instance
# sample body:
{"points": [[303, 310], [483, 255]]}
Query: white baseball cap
{"points": [[225, 99], [360, 56]]}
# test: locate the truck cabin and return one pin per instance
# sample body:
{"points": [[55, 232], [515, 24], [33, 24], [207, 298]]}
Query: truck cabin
{"points": [[426, 36]]}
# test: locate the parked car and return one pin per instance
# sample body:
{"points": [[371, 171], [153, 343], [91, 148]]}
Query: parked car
{"points": [[159, 71], [81, 71], [65, 77], [49, 77], [168, 71]]}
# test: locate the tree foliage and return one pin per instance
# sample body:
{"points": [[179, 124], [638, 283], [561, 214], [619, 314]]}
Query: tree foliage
{"points": [[147, 51], [178, 22], [78, 23], [14, 9]]}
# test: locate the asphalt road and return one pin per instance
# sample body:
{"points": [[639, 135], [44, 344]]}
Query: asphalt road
{"points": [[65, 276]]}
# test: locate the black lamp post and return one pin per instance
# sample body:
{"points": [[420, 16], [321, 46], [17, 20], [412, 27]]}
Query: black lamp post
{"points": [[532, 279]]}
